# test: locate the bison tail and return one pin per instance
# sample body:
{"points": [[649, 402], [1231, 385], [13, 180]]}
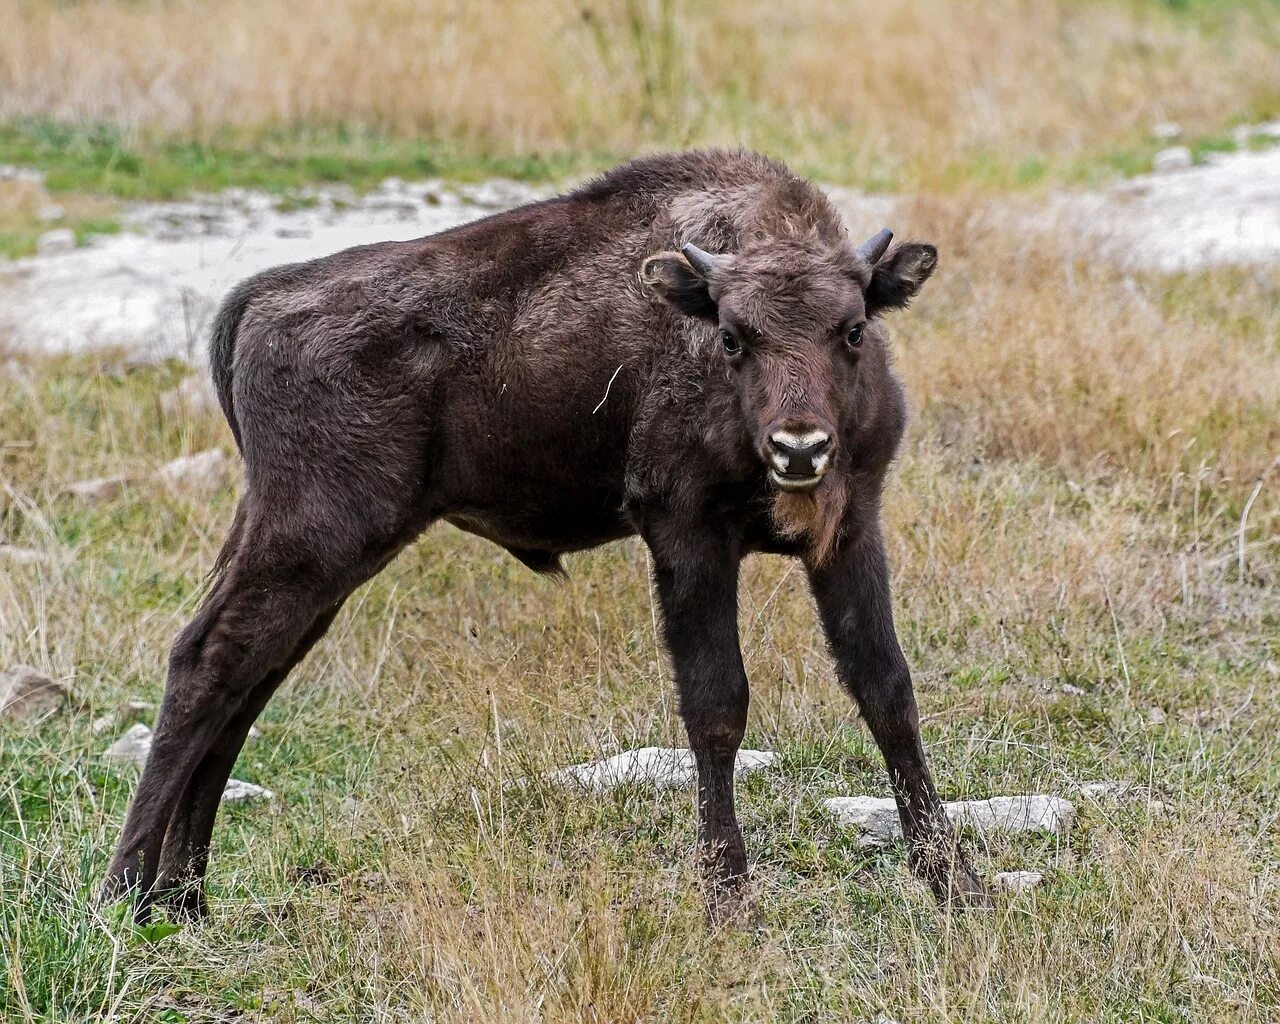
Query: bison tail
{"points": [[222, 346]]}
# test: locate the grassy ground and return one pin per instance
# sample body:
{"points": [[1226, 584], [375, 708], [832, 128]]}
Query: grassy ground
{"points": [[1068, 511], [126, 99]]}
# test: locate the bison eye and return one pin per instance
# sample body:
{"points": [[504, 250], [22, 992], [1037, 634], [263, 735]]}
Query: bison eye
{"points": [[855, 335], [731, 344]]}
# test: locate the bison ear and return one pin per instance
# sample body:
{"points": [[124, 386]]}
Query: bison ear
{"points": [[899, 275], [673, 277]]}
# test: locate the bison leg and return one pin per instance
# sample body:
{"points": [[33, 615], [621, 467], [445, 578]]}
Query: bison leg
{"points": [[697, 583], [852, 593], [184, 857], [281, 580]]}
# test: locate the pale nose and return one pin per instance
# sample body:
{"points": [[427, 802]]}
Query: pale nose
{"points": [[800, 454]]}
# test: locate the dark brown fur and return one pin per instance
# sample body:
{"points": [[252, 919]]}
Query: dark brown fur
{"points": [[553, 378]]}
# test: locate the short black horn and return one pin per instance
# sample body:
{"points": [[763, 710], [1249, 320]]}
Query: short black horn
{"points": [[873, 248], [703, 262]]}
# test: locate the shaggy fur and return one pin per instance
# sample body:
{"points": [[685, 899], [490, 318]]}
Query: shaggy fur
{"points": [[553, 378]]}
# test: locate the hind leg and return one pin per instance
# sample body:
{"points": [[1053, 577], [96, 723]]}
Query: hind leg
{"points": [[277, 585], [184, 857]]}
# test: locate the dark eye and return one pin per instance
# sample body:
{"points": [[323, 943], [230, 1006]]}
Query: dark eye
{"points": [[855, 335], [730, 343]]}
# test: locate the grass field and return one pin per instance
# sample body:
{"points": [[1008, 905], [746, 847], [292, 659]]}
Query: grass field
{"points": [[1068, 511], [153, 99], [1089, 498]]}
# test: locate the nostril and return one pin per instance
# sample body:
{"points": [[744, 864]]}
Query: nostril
{"points": [[800, 454], [813, 443]]}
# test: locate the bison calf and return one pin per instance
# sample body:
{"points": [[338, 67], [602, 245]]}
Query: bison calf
{"points": [[688, 348]]}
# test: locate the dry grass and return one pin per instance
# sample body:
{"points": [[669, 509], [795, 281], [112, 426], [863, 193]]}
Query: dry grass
{"points": [[925, 93], [1067, 511]]}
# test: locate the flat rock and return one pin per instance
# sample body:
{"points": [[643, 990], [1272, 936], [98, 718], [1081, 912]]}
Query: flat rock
{"points": [[100, 489], [663, 767], [876, 818], [128, 710], [195, 396], [1108, 790], [56, 241], [238, 791], [26, 694], [196, 475], [1175, 158], [131, 748], [135, 746], [11, 554], [1016, 881]]}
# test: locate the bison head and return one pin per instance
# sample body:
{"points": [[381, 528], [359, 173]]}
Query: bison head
{"points": [[791, 319]]}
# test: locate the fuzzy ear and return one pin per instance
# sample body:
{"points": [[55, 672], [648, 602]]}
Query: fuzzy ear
{"points": [[896, 278], [673, 277]]}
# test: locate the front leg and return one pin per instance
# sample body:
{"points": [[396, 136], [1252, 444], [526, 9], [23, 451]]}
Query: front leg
{"points": [[852, 592], [696, 575]]}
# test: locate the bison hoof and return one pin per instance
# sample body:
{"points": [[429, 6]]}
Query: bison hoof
{"points": [[953, 880], [732, 907], [184, 902]]}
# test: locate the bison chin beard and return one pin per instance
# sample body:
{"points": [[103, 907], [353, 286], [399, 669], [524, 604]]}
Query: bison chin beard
{"points": [[816, 516]]}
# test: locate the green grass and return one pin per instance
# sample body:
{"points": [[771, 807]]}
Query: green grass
{"points": [[102, 160], [105, 160], [444, 892]]}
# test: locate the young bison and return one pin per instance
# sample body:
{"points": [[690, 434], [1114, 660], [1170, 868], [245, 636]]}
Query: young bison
{"points": [[688, 348]]}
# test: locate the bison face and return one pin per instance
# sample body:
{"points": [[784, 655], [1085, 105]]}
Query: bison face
{"points": [[793, 321]]}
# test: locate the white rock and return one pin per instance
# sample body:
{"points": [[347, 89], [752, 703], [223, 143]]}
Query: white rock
{"points": [[195, 396], [1014, 881], [1156, 716], [664, 767], [135, 746], [1107, 789], [51, 212], [199, 474], [1072, 691], [876, 818], [10, 554], [238, 791], [58, 240], [1166, 131], [26, 694], [97, 490], [1175, 158], [111, 719], [131, 748], [1014, 814]]}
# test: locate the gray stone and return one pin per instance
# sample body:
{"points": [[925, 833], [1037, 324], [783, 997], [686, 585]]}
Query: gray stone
{"points": [[131, 748], [663, 767], [11, 554], [1175, 158], [100, 489], [1108, 790], [128, 710], [876, 818], [237, 791], [1015, 881], [1166, 131], [28, 695], [56, 241], [196, 475], [135, 746], [49, 213], [193, 397]]}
